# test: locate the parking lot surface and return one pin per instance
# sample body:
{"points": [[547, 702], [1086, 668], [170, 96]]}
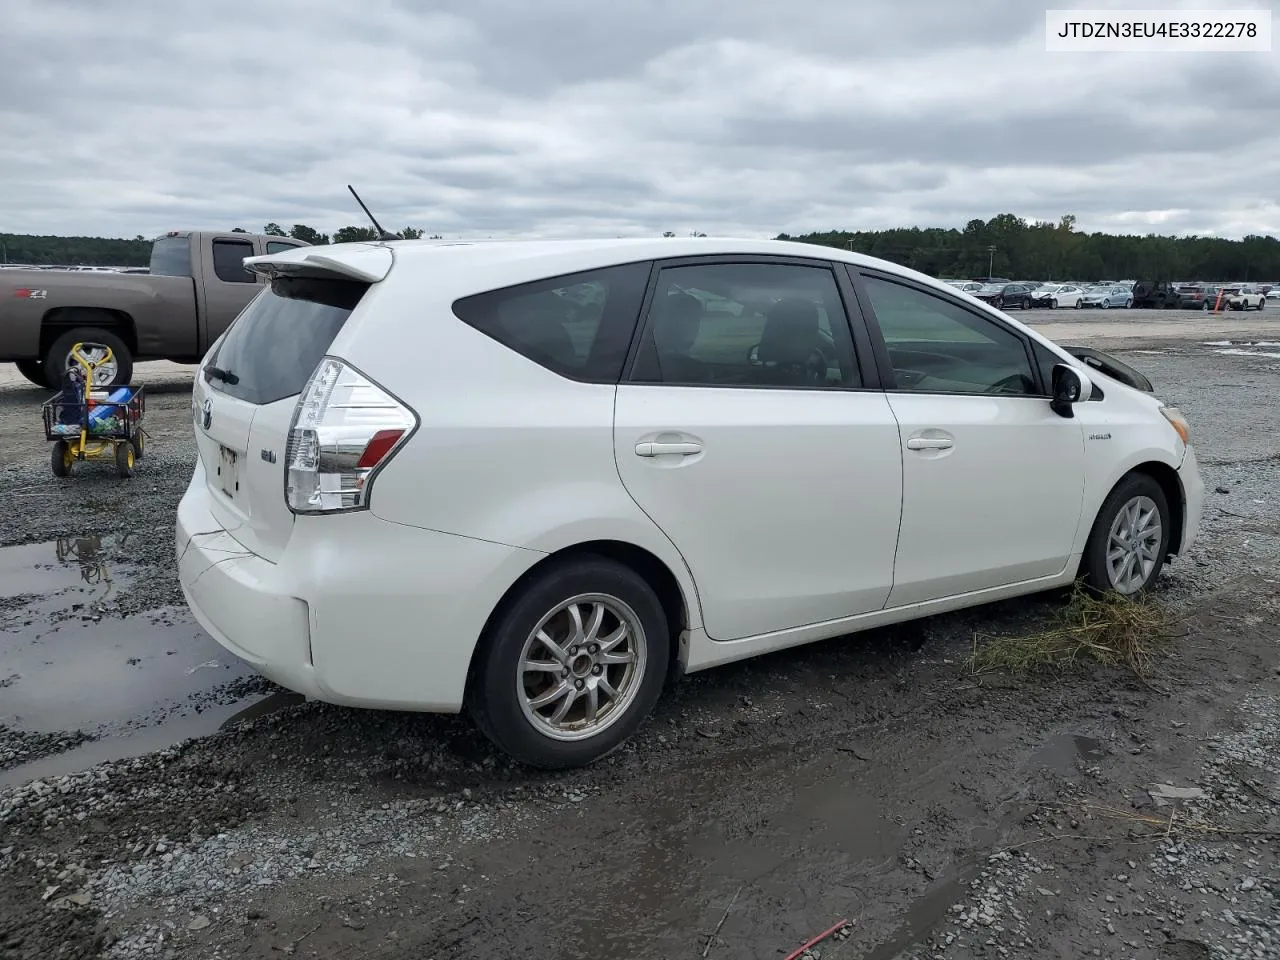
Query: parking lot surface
{"points": [[159, 800]]}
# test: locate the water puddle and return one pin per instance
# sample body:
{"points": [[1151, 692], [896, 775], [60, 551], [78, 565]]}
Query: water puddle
{"points": [[1237, 352], [1062, 752], [134, 683], [79, 565]]}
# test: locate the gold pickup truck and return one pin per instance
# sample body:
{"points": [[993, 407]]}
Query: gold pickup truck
{"points": [[196, 286]]}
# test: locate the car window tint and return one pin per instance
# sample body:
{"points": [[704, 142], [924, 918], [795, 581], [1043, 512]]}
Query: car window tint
{"points": [[747, 324], [279, 339], [171, 257], [578, 326], [279, 246], [937, 346], [228, 261]]}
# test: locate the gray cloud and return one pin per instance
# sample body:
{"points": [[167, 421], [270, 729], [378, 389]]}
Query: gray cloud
{"points": [[571, 117]]}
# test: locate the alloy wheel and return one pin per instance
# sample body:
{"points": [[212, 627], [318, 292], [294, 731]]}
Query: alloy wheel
{"points": [[581, 667], [1133, 545]]}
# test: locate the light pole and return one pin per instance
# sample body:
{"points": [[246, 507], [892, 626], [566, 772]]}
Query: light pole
{"points": [[991, 258]]}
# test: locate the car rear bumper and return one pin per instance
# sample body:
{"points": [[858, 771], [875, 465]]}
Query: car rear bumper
{"points": [[358, 611]]}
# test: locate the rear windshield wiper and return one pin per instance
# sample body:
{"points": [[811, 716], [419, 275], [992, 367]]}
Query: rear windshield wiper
{"points": [[226, 376]]}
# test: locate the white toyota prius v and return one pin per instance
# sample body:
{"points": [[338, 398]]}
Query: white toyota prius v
{"points": [[537, 480]]}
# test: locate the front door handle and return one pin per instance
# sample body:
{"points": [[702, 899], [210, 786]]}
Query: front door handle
{"points": [[929, 443], [655, 449]]}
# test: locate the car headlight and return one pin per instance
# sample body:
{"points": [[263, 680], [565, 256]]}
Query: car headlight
{"points": [[1178, 421]]}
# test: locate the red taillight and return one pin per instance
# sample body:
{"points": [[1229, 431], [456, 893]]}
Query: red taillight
{"points": [[378, 447]]}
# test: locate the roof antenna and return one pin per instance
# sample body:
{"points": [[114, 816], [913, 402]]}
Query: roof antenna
{"points": [[382, 234]]}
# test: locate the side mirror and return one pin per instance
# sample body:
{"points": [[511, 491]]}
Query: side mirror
{"points": [[1070, 386]]}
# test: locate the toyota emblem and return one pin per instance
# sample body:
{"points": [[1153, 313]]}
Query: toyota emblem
{"points": [[208, 414]]}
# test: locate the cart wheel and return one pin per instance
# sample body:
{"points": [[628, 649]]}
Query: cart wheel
{"points": [[61, 460], [138, 445], [124, 459]]}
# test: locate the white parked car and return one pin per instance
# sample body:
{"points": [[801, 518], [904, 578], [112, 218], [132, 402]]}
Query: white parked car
{"points": [[1056, 295], [536, 480], [1273, 293], [1244, 298]]}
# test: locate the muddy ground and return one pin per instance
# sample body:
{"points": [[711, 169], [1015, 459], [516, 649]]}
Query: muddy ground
{"points": [[156, 800]]}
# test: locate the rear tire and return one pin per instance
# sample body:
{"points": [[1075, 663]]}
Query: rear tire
{"points": [[1080, 304], [61, 459], [31, 369], [1129, 542], [59, 355], [499, 697], [1026, 303], [139, 445]]}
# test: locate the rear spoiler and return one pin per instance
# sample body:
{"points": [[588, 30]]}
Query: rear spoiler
{"points": [[366, 262], [1115, 369]]}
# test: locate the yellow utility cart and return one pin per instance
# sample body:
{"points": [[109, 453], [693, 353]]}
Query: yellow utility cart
{"points": [[86, 422]]}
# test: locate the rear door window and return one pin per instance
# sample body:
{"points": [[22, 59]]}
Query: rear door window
{"points": [[276, 343], [228, 261]]}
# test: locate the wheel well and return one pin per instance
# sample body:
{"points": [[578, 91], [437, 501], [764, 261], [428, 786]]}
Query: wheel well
{"points": [[655, 572], [1167, 477], [57, 322]]}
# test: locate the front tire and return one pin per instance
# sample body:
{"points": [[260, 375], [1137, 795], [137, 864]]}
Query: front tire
{"points": [[1129, 542], [571, 665], [1026, 303], [1080, 304]]}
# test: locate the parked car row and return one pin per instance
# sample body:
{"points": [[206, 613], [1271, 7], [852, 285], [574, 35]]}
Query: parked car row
{"points": [[1123, 294]]}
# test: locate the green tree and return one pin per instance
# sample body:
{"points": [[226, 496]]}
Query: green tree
{"points": [[354, 234], [309, 235], [239, 230], [411, 233], [274, 229]]}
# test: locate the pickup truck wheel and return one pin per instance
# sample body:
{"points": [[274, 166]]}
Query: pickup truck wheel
{"points": [[116, 374], [31, 370]]}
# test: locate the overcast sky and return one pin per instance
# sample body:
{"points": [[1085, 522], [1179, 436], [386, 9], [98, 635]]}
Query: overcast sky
{"points": [[617, 117]]}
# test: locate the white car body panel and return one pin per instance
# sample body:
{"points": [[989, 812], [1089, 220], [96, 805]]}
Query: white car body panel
{"points": [[796, 537], [778, 517], [999, 505]]}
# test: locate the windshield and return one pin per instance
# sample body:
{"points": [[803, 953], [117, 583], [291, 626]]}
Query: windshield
{"points": [[171, 257], [992, 287]]}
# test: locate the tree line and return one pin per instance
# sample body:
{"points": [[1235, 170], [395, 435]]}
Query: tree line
{"points": [[110, 252], [1005, 246], [1008, 246]]}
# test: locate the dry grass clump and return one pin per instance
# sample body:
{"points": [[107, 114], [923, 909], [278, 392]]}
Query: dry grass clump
{"points": [[1107, 629]]}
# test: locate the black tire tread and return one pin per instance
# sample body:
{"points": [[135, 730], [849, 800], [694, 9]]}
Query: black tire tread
{"points": [[507, 728], [1093, 571]]}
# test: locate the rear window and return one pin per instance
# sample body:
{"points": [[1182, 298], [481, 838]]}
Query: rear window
{"points": [[579, 325], [275, 344], [171, 257]]}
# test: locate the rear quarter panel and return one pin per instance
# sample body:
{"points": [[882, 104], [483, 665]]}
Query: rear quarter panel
{"points": [[161, 309], [507, 451]]}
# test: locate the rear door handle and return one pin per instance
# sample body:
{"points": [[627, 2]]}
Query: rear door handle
{"points": [[929, 443], [654, 449]]}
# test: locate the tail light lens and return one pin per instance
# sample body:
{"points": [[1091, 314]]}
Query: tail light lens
{"points": [[344, 430]]}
